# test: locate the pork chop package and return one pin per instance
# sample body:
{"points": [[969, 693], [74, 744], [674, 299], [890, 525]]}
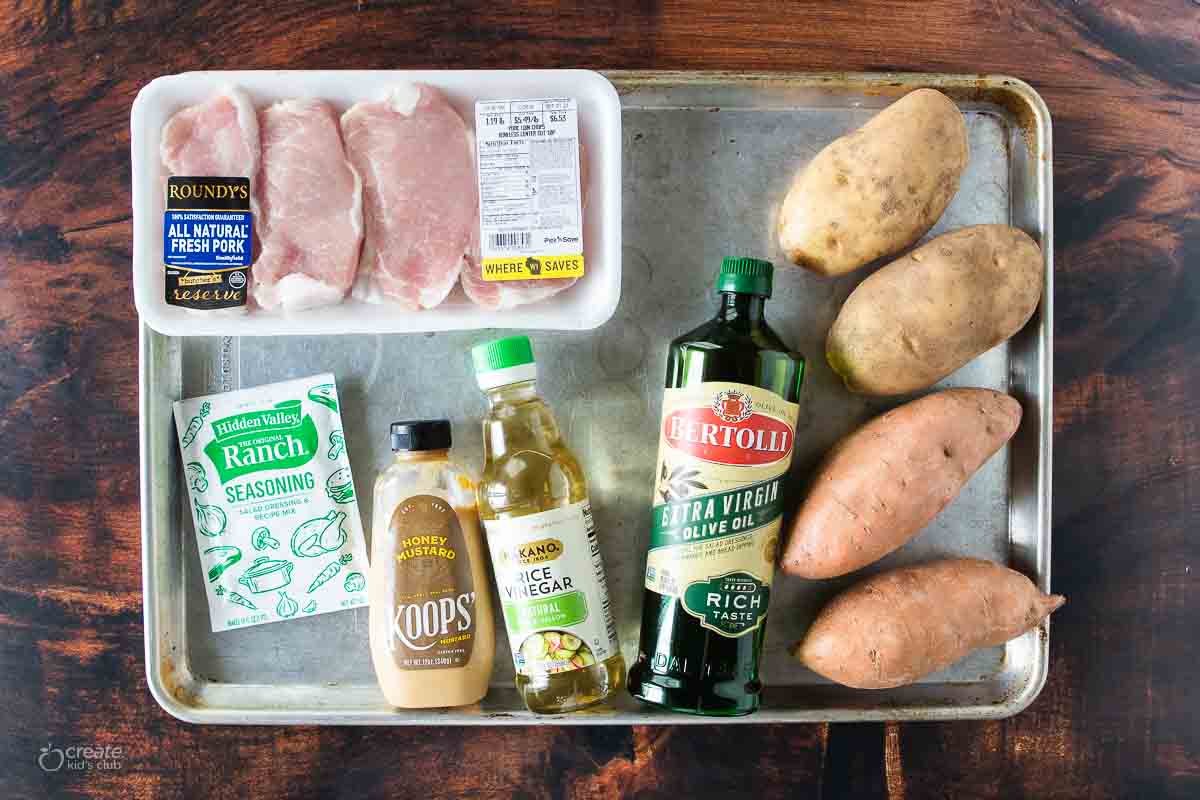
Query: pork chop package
{"points": [[273, 503], [386, 201]]}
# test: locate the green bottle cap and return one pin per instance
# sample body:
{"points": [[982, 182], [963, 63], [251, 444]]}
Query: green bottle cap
{"points": [[745, 275], [503, 361]]}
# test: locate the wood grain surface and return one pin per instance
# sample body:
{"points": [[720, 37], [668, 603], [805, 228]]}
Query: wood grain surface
{"points": [[1118, 717]]}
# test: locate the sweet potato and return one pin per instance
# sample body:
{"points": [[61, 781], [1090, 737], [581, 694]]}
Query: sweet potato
{"points": [[884, 482], [923, 316], [877, 190], [896, 627]]}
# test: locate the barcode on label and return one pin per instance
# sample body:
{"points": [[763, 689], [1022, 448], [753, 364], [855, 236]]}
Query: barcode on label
{"points": [[510, 240]]}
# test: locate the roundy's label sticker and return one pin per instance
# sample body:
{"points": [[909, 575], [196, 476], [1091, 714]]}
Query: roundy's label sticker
{"points": [[724, 449], [208, 242]]}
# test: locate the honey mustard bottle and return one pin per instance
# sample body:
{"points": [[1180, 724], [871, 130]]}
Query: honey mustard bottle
{"points": [[432, 633]]}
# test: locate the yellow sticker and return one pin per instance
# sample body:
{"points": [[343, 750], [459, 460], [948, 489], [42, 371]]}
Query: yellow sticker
{"points": [[523, 268], [199, 279]]}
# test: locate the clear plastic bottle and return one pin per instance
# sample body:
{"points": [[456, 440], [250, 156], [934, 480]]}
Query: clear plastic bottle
{"points": [[533, 501], [433, 638]]}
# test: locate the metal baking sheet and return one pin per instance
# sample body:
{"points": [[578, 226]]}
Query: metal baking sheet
{"points": [[707, 158]]}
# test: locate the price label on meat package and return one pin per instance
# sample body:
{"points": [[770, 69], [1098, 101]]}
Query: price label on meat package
{"points": [[530, 203]]}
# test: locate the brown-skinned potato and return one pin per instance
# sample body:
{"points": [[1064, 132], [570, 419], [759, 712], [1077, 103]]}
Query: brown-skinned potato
{"points": [[923, 316], [883, 483], [876, 190], [896, 627]]}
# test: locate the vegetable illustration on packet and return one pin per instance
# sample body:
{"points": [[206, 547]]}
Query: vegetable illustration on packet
{"points": [[263, 477]]}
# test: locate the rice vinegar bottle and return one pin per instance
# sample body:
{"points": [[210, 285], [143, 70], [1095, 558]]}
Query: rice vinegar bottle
{"points": [[725, 444], [533, 501]]}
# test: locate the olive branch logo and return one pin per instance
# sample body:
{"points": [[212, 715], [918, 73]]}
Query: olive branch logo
{"points": [[680, 482]]}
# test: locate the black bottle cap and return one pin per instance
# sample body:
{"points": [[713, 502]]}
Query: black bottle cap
{"points": [[421, 434]]}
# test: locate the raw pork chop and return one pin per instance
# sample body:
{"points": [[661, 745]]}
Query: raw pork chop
{"points": [[500, 295], [310, 202], [218, 138], [414, 154]]}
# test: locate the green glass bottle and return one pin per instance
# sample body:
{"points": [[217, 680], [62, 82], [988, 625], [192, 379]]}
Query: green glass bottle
{"points": [[725, 445]]}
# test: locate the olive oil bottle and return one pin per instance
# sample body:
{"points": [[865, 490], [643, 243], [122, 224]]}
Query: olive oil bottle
{"points": [[533, 501], [725, 445]]}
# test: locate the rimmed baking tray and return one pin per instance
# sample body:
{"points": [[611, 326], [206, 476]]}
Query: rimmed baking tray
{"points": [[707, 157]]}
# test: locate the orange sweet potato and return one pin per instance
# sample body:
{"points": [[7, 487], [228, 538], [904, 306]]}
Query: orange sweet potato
{"points": [[884, 482], [894, 628]]}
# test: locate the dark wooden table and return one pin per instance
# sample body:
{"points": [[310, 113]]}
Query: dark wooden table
{"points": [[1120, 716]]}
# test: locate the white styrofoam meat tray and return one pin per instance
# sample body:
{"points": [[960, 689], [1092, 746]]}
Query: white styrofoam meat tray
{"points": [[585, 305]]}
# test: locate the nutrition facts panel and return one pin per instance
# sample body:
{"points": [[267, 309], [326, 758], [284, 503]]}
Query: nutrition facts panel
{"points": [[530, 206]]}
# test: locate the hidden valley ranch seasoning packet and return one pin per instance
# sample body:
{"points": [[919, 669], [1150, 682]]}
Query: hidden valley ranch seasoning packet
{"points": [[273, 502]]}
